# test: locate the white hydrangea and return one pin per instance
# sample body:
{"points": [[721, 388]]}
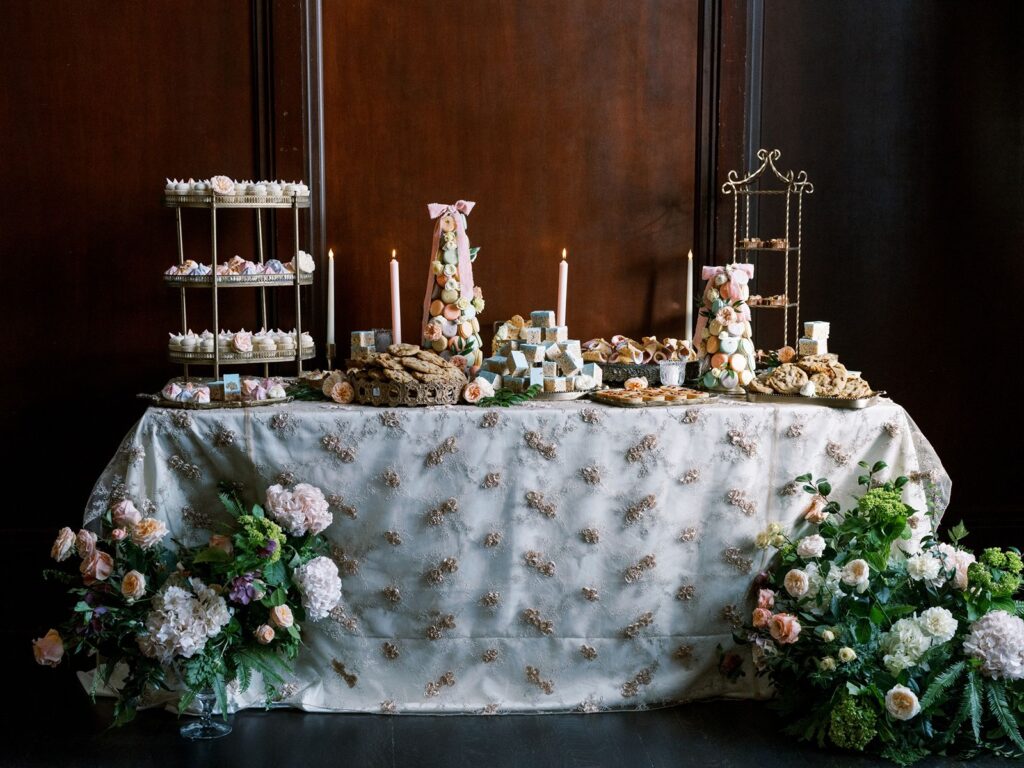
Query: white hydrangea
{"points": [[320, 586], [926, 567], [997, 639], [939, 624], [904, 644], [181, 621]]}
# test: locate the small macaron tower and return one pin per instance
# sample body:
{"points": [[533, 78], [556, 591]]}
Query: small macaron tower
{"points": [[724, 330], [451, 326]]}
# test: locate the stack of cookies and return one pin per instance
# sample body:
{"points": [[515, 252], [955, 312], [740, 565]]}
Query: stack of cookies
{"points": [[812, 376], [408, 364]]}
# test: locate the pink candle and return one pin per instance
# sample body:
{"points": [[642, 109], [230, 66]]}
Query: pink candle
{"points": [[563, 284], [396, 305]]}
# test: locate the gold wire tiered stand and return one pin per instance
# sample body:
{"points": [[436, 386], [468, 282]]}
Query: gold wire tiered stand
{"points": [[794, 187], [214, 282]]}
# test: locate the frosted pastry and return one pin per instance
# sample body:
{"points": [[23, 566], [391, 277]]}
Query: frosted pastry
{"points": [[544, 318]]}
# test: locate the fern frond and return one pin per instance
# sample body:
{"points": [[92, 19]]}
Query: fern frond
{"points": [[977, 706], [942, 683], [1003, 713]]}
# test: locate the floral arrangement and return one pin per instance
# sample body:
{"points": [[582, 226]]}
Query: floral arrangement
{"points": [[879, 638], [204, 617]]}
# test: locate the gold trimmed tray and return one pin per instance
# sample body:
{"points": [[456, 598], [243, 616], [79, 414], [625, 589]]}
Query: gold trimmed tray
{"points": [[849, 403], [703, 399], [237, 281]]}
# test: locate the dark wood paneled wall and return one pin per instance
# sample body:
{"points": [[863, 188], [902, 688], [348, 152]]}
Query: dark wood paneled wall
{"points": [[569, 123], [909, 119]]}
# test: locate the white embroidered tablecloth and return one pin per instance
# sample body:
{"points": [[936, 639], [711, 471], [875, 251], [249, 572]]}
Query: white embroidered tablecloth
{"points": [[547, 557]]}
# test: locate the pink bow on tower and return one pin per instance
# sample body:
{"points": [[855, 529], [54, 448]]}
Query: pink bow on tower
{"points": [[739, 273], [458, 211]]}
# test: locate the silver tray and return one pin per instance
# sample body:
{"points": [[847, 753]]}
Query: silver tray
{"points": [[662, 404], [559, 395], [848, 403], [159, 402], [234, 201], [237, 281]]}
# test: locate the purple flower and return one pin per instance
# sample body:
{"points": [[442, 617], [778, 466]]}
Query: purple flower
{"points": [[242, 589], [269, 549]]}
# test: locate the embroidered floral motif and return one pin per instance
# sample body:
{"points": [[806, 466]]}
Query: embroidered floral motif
{"points": [[446, 680], [489, 656], [532, 617], [684, 653], [388, 707], [447, 566], [391, 478], [436, 456], [927, 475], [631, 687], [644, 620], [636, 511], [282, 422], [790, 489], [444, 623], [835, 452], [748, 446], [591, 594], [437, 515], [691, 476], [181, 420], [636, 571], [148, 507], [390, 651], [492, 480], [545, 449], [636, 453], [344, 674], [535, 500], [394, 538], [333, 444], [590, 535], [892, 428], [591, 475], [739, 500], [285, 478], [688, 534], [339, 615], [734, 557], [347, 565], [390, 419], [492, 539], [392, 594], [135, 454], [589, 652], [490, 709], [686, 592], [590, 416], [533, 675], [536, 561], [491, 599], [191, 471], [691, 416], [588, 706], [490, 420], [731, 614], [286, 691], [197, 519]]}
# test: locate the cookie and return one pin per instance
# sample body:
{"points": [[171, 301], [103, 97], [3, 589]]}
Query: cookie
{"points": [[787, 379], [759, 385], [404, 350], [815, 363]]}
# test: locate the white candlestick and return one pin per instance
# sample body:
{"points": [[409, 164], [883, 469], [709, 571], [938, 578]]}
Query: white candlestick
{"points": [[330, 297], [689, 297], [396, 302], [563, 284]]}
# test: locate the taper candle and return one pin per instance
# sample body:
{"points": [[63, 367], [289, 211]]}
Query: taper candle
{"points": [[563, 284], [689, 297], [330, 296], [396, 301]]}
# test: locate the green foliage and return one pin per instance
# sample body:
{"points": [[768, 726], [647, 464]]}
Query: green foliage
{"points": [[504, 398], [256, 533], [883, 506], [997, 573], [852, 724]]}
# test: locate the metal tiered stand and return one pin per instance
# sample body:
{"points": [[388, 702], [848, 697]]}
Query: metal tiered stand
{"points": [[215, 282], [794, 187]]}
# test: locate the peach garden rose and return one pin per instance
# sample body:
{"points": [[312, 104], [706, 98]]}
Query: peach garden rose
{"points": [[148, 532], [124, 514], [133, 585], [63, 546], [85, 543], [264, 634], [48, 649], [281, 616], [784, 628], [97, 567]]}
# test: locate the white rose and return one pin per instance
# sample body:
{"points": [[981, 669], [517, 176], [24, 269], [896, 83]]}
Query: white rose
{"points": [[939, 623], [924, 567], [796, 583], [827, 664], [811, 546], [846, 655], [902, 703], [828, 635], [855, 574]]}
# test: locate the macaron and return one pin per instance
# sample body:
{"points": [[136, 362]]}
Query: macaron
{"points": [[442, 279], [709, 380], [715, 327], [450, 311], [465, 330], [718, 360], [476, 325], [738, 362], [469, 313], [729, 380], [449, 296], [450, 256], [728, 344], [449, 330], [725, 291], [450, 270], [437, 267], [746, 346], [717, 306], [451, 285], [746, 376], [436, 307], [439, 345], [712, 345], [735, 329], [748, 332], [744, 293]]}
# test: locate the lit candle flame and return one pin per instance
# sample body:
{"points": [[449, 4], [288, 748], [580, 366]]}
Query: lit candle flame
{"points": [[393, 252], [330, 254], [563, 254], [690, 255]]}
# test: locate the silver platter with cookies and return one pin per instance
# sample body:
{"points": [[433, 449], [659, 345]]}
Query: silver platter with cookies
{"points": [[812, 380]]}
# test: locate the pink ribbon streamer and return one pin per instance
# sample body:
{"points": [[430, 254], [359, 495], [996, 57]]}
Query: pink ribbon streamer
{"points": [[710, 273], [437, 211]]}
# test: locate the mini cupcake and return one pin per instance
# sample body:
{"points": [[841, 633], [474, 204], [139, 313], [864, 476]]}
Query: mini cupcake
{"points": [[182, 187], [241, 342], [273, 267], [223, 269], [174, 344], [203, 269], [189, 343], [301, 190], [307, 340], [171, 187], [288, 190], [251, 268], [206, 346], [260, 190], [274, 189], [240, 188]]}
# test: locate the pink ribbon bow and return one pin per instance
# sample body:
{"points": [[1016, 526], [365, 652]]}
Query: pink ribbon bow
{"points": [[458, 211]]}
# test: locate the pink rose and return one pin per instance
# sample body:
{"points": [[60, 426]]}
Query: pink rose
{"points": [[62, 547], [727, 316], [124, 514], [148, 532], [133, 585], [223, 543], [85, 543], [119, 534], [242, 341], [816, 511], [784, 628], [765, 598], [264, 634], [281, 616], [432, 332], [48, 649], [472, 393], [761, 618], [97, 567], [459, 361], [343, 393]]}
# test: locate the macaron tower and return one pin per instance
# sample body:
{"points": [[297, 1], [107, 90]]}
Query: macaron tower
{"points": [[452, 302], [723, 328]]}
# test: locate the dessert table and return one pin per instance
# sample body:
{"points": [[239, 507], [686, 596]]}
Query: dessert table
{"points": [[547, 557]]}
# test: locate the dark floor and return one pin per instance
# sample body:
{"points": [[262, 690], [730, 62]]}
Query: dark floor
{"points": [[55, 724]]}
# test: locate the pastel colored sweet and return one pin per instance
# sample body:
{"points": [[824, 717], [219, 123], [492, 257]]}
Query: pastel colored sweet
{"points": [[712, 345], [725, 291], [748, 331], [744, 293], [450, 270], [436, 307], [437, 267], [450, 257], [476, 324], [728, 344], [746, 347], [746, 376], [709, 380], [465, 330], [716, 306], [439, 345], [810, 389], [738, 362], [714, 327], [449, 329], [171, 391], [718, 360], [729, 380], [735, 329], [720, 279], [469, 313], [449, 297]]}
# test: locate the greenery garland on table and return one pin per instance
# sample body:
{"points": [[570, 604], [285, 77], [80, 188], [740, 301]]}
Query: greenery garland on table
{"points": [[199, 618], [878, 638], [504, 398]]}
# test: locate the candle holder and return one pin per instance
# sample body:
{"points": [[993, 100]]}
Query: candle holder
{"points": [[382, 339], [332, 352]]}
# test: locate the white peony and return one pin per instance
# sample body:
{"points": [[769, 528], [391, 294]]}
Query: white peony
{"points": [[925, 567], [939, 624], [320, 586], [181, 621], [902, 703], [855, 574], [810, 547], [997, 640]]}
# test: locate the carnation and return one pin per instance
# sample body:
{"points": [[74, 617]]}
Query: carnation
{"points": [[904, 644], [939, 624], [997, 640], [320, 586], [925, 567], [182, 620]]}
